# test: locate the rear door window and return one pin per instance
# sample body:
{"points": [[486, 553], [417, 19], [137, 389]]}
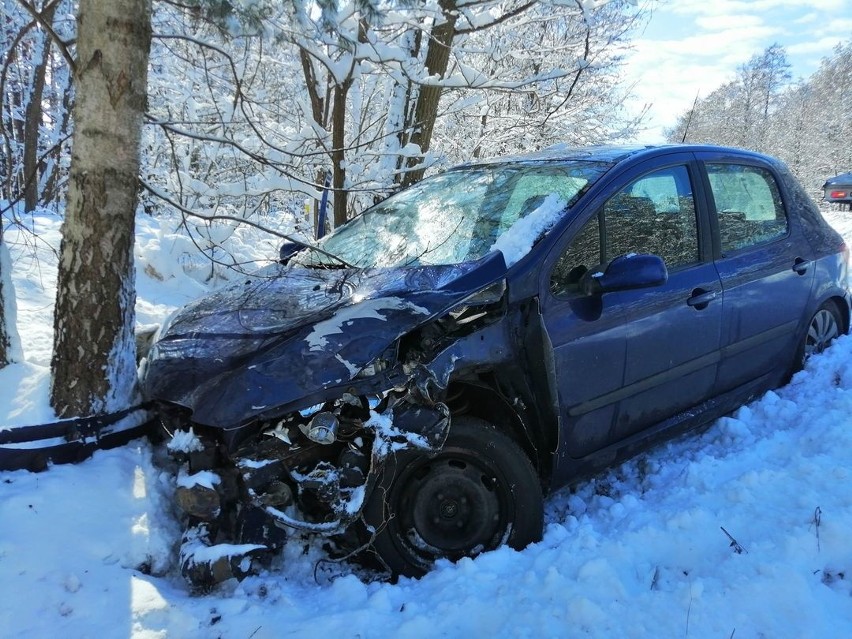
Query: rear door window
{"points": [[748, 205]]}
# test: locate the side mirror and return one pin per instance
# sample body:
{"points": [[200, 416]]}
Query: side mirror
{"points": [[627, 272], [287, 250]]}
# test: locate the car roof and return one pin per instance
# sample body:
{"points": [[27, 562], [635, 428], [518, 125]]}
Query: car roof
{"points": [[612, 154], [843, 178]]}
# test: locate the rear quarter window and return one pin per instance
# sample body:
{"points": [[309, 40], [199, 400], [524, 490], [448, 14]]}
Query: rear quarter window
{"points": [[748, 204]]}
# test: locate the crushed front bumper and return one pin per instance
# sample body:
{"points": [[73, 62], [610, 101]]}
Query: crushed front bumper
{"points": [[311, 472]]}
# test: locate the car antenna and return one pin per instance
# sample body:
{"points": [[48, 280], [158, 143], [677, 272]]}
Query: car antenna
{"points": [[689, 119]]}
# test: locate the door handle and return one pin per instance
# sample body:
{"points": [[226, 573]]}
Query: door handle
{"points": [[801, 266], [701, 298]]}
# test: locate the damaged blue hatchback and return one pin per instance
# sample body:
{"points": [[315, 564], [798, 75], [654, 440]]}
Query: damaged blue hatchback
{"points": [[411, 385]]}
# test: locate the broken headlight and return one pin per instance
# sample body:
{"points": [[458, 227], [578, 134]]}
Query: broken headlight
{"points": [[491, 294], [379, 364]]}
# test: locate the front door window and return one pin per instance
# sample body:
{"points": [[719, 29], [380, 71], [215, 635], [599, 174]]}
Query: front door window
{"points": [[654, 214]]}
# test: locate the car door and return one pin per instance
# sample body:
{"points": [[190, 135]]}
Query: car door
{"points": [[766, 269], [626, 360]]}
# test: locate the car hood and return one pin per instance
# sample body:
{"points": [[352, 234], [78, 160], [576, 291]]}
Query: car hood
{"points": [[290, 332]]}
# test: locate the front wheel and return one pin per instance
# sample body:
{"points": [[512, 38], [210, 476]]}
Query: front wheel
{"points": [[477, 493]]}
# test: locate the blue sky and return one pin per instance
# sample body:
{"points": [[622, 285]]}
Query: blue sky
{"points": [[691, 46]]}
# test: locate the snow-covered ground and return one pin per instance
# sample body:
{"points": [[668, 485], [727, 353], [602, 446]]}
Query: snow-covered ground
{"points": [[639, 551]]}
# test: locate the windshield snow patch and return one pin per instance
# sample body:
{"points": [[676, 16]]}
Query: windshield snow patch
{"points": [[367, 309], [519, 239]]}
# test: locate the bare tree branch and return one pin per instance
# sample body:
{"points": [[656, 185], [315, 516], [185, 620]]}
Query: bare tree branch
{"points": [[231, 218], [38, 16]]}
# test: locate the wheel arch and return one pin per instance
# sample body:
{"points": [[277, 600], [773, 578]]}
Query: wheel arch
{"points": [[480, 396], [841, 306], [843, 311], [477, 493]]}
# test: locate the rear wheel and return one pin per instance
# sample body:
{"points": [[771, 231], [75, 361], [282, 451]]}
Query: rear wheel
{"points": [[477, 493], [822, 330]]}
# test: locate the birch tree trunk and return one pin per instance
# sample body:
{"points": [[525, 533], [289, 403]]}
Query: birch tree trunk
{"points": [[10, 343], [94, 365]]}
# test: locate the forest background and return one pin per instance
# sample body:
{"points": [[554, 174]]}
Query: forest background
{"points": [[243, 112]]}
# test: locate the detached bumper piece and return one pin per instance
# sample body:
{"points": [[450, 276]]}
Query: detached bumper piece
{"points": [[72, 440]]}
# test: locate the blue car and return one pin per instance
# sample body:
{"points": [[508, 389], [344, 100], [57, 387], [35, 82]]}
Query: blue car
{"points": [[838, 190], [415, 382]]}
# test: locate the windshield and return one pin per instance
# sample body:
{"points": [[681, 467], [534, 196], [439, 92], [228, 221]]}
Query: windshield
{"points": [[459, 216]]}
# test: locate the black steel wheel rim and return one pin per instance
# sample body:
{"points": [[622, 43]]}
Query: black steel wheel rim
{"points": [[452, 505]]}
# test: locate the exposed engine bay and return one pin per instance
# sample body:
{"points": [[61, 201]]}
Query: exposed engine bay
{"points": [[309, 471]]}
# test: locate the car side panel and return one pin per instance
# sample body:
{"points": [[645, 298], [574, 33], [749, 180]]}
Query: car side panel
{"points": [[765, 300], [589, 346], [672, 348], [767, 290], [644, 356]]}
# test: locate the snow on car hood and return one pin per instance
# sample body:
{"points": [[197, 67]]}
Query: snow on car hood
{"points": [[289, 332]]}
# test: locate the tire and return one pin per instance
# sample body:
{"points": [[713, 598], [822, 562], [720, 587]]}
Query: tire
{"points": [[477, 493], [822, 330]]}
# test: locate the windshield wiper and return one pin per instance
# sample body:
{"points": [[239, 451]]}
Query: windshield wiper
{"points": [[325, 266]]}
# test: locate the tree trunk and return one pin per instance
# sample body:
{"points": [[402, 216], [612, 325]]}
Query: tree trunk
{"points": [[5, 342], [338, 137], [317, 103], [51, 192], [338, 141], [34, 116], [437, 61], [10, 343], [93, 365]]}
